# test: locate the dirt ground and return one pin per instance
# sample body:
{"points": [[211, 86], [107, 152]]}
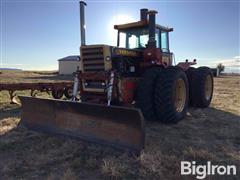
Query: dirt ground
{"points": [[211, 134]]}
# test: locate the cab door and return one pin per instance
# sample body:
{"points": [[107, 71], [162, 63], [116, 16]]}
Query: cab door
{"points": [[166, 54]]}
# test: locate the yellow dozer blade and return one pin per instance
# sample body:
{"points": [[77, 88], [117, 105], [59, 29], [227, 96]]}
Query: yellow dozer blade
{"points": [[118, 127]]}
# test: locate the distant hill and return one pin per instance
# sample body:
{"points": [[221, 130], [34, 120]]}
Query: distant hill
{"points": [[10, 69]]}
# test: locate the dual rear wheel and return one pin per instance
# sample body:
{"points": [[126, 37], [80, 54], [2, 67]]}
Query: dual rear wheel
{"points": [[201, 86], [164, 94]]}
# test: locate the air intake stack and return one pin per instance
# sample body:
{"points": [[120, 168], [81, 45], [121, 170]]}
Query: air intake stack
{"points": [[82, 22], [152, 27], [143, 14]]}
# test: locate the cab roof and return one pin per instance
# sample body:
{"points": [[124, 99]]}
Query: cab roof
{"points": [[139, 24]]}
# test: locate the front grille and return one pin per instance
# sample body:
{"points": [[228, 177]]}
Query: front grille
{"points": [[92, 58]]}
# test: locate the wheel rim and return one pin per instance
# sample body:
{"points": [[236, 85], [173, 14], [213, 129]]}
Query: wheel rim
{"points": [[70, 92], [180, 95], [208, 87]]}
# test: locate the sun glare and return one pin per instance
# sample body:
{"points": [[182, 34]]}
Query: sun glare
{"points": [[116, 20]]}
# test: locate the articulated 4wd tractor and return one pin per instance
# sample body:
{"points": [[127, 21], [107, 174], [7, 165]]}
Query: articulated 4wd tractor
{"points": [[121, 86]]}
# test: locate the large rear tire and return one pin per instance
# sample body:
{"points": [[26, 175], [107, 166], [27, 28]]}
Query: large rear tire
{"points": [[145, 93], [190, 74], [171, 95], [202, 87]]}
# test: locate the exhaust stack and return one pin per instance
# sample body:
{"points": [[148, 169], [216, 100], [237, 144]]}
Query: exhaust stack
{"points": [[143, 14], [82, 22], [152, 27]]}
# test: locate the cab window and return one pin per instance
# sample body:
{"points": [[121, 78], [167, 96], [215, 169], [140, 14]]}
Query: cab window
{"points": [[133, 42], [135, 38], [164, 41]]}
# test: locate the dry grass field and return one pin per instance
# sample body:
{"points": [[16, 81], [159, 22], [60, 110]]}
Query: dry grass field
{"points": [[211, 134]]}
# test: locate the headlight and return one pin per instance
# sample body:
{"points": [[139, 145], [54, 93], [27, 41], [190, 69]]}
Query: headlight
{"points": [[108, 58]]}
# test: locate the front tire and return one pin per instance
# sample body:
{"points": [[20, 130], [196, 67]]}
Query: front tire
{"points": [[171, 95]]}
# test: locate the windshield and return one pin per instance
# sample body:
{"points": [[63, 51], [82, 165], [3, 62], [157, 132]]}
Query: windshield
{"points": [[135, 38]]}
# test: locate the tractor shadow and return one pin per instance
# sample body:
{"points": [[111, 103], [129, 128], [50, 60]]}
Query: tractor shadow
{"points": [[202, 128]]}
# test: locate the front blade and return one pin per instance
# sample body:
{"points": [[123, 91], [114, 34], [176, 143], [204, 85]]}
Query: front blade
{"points": [[119, 127]]}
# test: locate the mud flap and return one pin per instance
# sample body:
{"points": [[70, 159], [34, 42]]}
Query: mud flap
{"points": [[119, 127]]}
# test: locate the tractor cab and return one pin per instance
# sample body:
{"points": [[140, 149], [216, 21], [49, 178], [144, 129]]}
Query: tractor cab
{"points": [[147, 36], [136, 36]]}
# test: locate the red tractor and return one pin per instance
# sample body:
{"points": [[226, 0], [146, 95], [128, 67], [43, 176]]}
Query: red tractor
{"points": [[115, 82], [139, 72]]}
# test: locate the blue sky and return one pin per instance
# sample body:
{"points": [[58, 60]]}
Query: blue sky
{"points": [[34, 34]]}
